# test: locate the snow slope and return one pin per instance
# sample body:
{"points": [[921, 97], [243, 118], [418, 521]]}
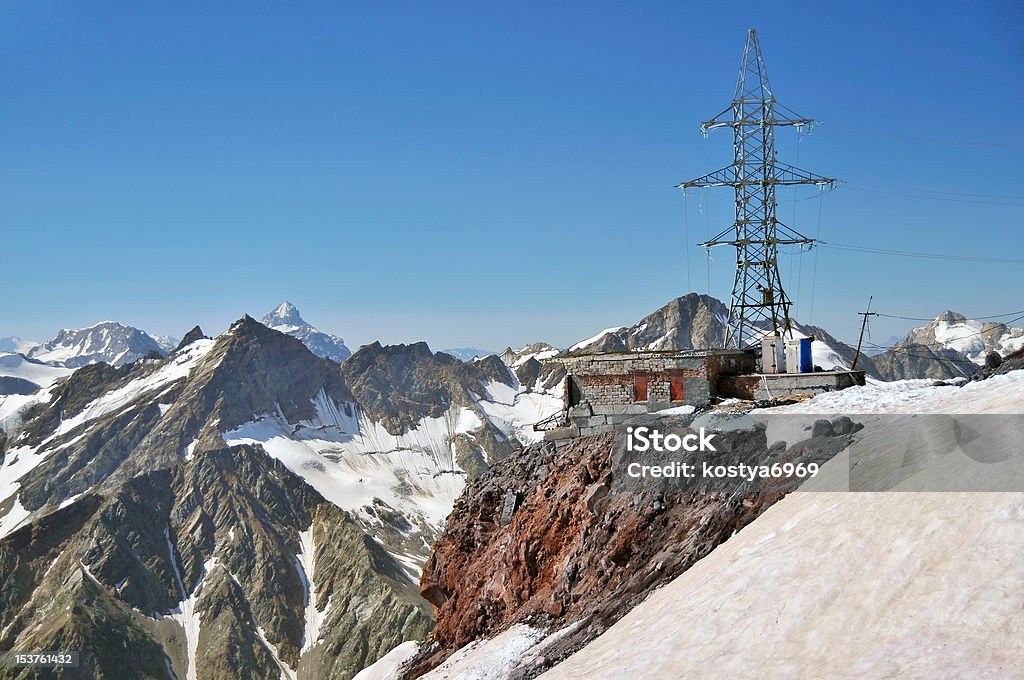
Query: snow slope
{"points": [[844, 584], [177, 368], [998, 394], [18, 366], [352, 460], [515, 411], [388, 666], [838, 585]]}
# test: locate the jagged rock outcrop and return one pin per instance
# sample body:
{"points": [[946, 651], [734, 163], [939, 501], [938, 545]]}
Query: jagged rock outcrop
{"points": [[546, 538], [400, 385], [997, 365], [195, 334]]}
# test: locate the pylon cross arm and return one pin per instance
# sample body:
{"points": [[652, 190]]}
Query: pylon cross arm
{"points": [[783, 174]]}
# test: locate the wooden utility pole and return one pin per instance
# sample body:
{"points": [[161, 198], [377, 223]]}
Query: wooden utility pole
{"points": [[863, 326]]}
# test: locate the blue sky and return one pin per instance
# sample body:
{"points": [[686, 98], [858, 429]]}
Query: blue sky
{"points": [[486, 174]]}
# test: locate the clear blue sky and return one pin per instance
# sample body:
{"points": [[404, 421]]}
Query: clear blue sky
{"points": [[484, 173]]}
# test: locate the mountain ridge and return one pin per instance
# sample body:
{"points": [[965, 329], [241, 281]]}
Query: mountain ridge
{"points": [[107, 341]]}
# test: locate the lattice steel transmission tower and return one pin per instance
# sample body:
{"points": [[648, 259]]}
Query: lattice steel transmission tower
{"points": [[759, 303]]}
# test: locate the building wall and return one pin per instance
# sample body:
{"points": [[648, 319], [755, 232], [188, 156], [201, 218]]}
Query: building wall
{"points": [[602, 388], [775, 385]]}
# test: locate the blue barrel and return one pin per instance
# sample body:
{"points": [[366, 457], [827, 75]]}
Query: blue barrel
{"points": [[806, 362]]}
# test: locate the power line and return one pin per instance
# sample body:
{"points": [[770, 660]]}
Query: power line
{"points": [[934, 191], [906, 350], [972, 318], [928, 140], [937, 198], [906, 253]]}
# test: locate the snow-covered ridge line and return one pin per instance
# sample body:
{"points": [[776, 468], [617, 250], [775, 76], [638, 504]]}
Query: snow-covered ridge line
{"points": [[177, 368], [107, 341], [40, 373], [590, 341]]}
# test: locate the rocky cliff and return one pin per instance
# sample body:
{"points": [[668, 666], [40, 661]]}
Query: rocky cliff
{"points": [[545, 538]]}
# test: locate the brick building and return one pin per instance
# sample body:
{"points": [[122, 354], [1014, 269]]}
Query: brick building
{"points": [[602, 390]]}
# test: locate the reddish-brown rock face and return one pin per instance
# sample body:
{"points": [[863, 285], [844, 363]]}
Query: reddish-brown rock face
{"points": [[541, 538]]}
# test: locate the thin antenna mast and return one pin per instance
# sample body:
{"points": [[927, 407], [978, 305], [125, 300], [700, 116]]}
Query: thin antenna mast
{"points": [[863, 326]]}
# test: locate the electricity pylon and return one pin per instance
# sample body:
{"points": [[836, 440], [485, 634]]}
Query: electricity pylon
{"points": [[759, 303]]}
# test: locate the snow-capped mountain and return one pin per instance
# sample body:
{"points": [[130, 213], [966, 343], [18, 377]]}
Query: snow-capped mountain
{"points": [[467, 353], [21, 375], [16, 345], [286, 319], [243, 503], [167, 342], [108, 341], [973, 339]]}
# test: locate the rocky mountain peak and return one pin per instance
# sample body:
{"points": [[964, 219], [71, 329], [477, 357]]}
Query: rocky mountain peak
{"points": [[247, 326], [284, 314], [693, 320], [195, 334], [950, 317], [107, 341], [286, 318]]}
